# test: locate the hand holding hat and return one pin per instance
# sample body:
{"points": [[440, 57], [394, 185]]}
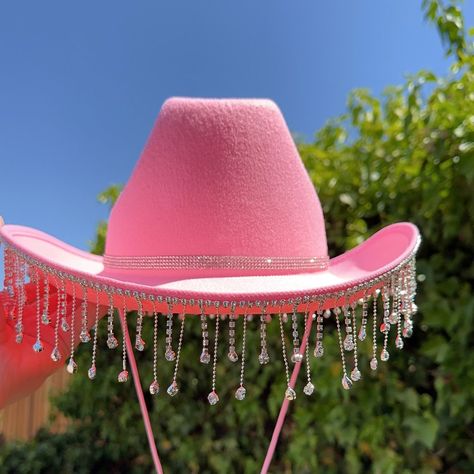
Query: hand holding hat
{"points": [[23, 370]]}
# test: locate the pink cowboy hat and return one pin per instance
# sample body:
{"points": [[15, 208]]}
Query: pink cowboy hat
{"points": [[219, 217], [219, 207]]}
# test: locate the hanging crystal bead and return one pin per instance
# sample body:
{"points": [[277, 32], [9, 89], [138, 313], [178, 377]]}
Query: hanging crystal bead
{"points": [[319, 349], [355, 374], [55, 355], [64, 324], [348, 343], [213, 398], [37, 346], [170, 354], [71, 366], [308, 389], [173, 389], [290, 394], [240, 393], [85, 336], [205, 357], [154, 388], [399, 342], [384, 355], [296, 356], [385, 327], [112, 342], [346, 382], [140, 344], [393, 318], [123, 376], [91, 373], [263, 357]]}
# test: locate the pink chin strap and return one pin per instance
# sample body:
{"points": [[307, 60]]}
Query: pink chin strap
{"points": [[146, 416]]}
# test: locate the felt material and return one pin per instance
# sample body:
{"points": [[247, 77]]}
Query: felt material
{"points": [[377, 255], [218, 177], [221, 177]]}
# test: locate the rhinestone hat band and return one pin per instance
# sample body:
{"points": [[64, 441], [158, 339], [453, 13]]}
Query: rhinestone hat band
{"points": [[383, 312], [192, 262]]}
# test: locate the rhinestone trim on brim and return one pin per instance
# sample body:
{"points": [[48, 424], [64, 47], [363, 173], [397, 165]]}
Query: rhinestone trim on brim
{"points": [[332, 296]]}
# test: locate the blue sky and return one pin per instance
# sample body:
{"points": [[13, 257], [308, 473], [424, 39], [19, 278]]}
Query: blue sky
{"points": [[81, 83]]}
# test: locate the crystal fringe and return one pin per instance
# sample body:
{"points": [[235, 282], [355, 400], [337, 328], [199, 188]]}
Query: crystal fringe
{"points": [[73, 323], [154, 386], [241, 391], [232, 354], [397, 288], [309, 387], [295, 356], [173, 388], [139, 342], [263, 357], [112, 341]]}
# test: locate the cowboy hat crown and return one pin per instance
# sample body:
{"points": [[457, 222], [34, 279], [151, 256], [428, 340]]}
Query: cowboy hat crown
{"points": [[219, 177]]}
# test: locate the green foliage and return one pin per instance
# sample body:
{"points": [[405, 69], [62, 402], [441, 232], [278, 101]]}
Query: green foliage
{"points": [[408, 155], [107, 197], [450, 24]]}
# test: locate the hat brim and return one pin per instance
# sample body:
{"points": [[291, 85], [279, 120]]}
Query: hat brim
{"points": [[380, 254]]}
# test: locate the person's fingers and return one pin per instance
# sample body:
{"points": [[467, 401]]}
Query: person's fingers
{"points": [[2, 222]]}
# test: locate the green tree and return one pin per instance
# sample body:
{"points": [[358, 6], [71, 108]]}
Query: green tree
{"points": [[408, 155]]}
